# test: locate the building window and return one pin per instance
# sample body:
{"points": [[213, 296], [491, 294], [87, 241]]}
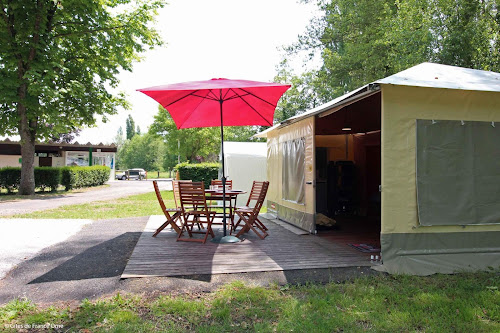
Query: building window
{"points": [[76, 158], [104, 159], [293, 176]]}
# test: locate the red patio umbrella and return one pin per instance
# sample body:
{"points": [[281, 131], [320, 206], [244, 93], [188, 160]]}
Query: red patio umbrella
{"points": [[219, 102]]}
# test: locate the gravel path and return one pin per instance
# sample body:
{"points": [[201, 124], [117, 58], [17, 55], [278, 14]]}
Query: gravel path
{"points": [[116, 189]]}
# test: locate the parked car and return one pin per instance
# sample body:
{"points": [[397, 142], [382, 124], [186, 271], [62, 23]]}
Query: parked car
{"points": [[139, 174]]}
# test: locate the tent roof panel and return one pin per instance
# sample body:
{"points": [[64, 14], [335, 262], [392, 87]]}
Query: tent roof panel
{"points": [[443, 76], [423, 75]]}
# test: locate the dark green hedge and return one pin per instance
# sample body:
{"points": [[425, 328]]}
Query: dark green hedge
{"points": [[76, 177], [47, 178], [198, 172], [51, 177], [10, 178]]}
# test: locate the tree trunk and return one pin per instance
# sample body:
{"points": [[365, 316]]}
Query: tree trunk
{"points": [[27, 186], [27, 130]]}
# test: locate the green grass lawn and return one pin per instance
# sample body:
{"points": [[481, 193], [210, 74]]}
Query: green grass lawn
{"points": [[144, 204], [132, 206], [163, 174], [441, 303]]}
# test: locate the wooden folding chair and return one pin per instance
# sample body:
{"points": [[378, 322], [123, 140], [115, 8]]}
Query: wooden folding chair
{"points": [[195, 211], [254, 196], [213, 197], [249, 215], [171, 219]]}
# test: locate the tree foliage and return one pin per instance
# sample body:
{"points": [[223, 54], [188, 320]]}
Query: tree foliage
{"points": [[143, 151], [195, 144], [360, 41], [119, 141], [60, 58], [130, 127]]}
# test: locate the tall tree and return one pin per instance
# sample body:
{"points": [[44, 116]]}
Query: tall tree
{"points": [[59, 59], [119, 141], [130, 127], [360, 41]]}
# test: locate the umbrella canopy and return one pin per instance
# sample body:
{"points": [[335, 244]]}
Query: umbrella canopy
{"points": [[219, 102], [197, 103]]}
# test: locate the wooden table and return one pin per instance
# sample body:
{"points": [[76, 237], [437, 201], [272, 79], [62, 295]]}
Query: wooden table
{"points": [[216, 195]]}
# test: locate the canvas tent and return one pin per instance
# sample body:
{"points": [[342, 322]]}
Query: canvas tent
{"points": [[427, 138], [245, 162]]}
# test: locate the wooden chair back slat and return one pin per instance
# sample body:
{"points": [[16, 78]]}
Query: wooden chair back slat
{"points": [[261, 192], [218, 182], [192, 194], [257, 188], [158, 196], [175, 188]]}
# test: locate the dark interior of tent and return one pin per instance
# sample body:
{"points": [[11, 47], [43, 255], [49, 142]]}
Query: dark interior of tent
{"points": [[348, 172]]}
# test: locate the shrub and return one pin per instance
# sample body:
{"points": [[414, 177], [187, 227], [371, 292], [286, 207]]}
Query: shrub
{"points": [[10, 178], [198, 172], [76, 177], [68, 177], [47, 177], [51, 177]]}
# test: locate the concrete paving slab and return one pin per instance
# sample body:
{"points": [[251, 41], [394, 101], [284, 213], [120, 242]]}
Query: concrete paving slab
{"points": [[22, 239]]}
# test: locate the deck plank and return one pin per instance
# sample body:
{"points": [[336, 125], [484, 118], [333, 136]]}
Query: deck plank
{"points": [[282, 250]]}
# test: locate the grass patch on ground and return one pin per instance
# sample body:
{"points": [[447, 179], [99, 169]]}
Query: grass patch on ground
{"points": [[468, 302], [137, 205], [163, 174], [144, 204], [40, 194]]}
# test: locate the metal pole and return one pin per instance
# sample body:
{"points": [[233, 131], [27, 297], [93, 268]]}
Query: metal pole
{"points": [[223, 169]]}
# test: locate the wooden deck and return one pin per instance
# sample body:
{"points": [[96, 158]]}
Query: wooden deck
{"points": [[282, 250]]}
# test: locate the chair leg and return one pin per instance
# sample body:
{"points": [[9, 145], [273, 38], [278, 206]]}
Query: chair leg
{"points": [[170, 220], [249, 224], [262, 226], [236, 225]]}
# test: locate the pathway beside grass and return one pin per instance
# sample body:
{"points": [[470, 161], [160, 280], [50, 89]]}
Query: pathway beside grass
{"points": [[24, 207], [144, 204]]}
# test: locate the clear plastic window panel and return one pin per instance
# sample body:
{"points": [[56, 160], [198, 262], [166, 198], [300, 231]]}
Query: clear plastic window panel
{"points": [[294, 170]]}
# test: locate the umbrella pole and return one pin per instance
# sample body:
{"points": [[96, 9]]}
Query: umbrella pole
{"points": [[223, 174], [225, 238]]}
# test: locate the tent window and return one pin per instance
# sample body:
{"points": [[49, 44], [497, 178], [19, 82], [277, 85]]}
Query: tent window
{"points": [[458, 172], [294, 170]]}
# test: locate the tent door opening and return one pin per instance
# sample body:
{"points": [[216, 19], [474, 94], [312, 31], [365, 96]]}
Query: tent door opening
{"points": [[348, 175]]}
